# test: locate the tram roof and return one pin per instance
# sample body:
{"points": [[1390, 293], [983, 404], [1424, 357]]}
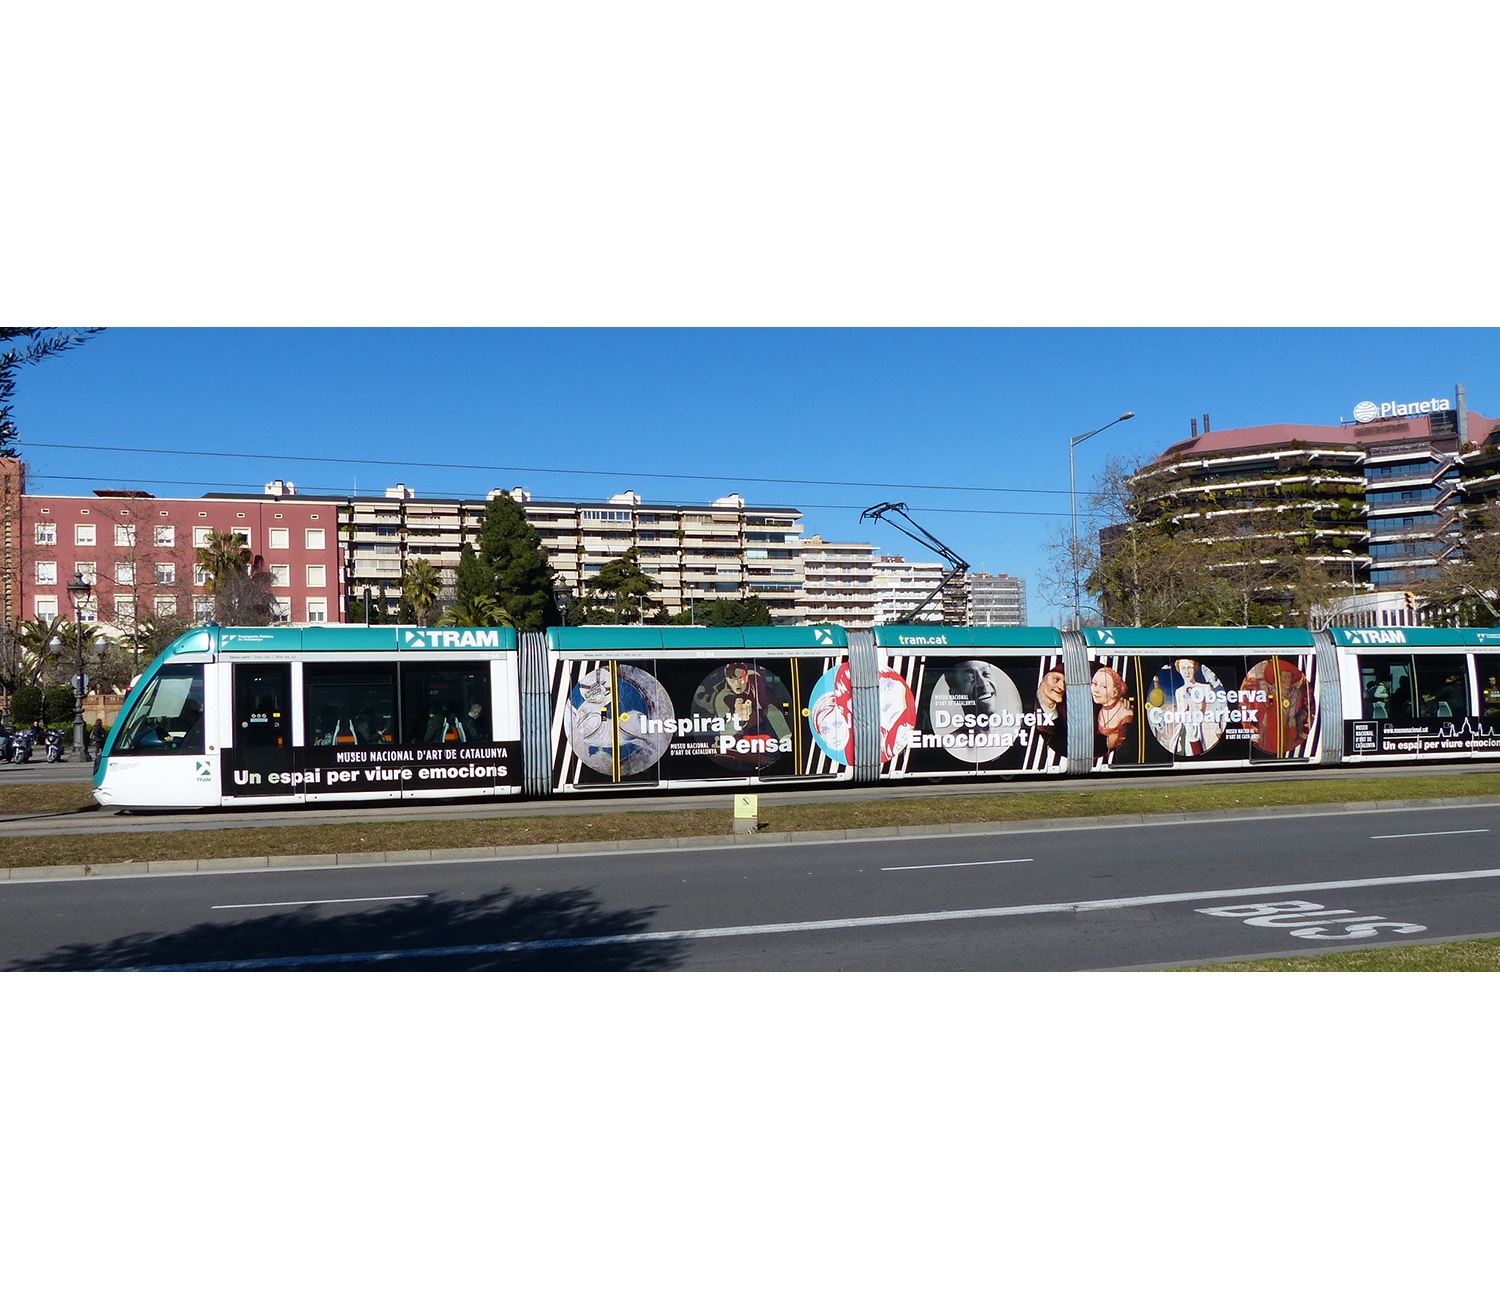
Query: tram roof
{"points": [[1451, 638], [932, 636], [609, 637], [340, 638], [1199, 638]]}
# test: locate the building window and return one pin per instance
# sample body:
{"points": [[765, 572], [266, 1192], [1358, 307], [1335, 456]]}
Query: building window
{"points": [[46, 573], [314, 537], [88, 607], [164, 535], [317, 575], [317, 609], [125, 574], [281, 610], [83, 534], [200, 578], [87, 571], [280, 539], [45, 606], [200, 535], [124, 534], [46, 534], [203, 608], [125, 610], [166, 607], [166, 575], [281, 575]]}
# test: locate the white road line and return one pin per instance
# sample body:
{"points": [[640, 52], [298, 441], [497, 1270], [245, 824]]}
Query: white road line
{"points": [[1418, 835], [932, 866], [314, 902], [802, 927]]}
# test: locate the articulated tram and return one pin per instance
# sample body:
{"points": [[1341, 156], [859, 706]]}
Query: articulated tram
{"points": [[262, 717]]}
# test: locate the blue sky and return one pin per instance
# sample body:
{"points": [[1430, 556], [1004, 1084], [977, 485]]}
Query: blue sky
{"points": [[984, 412]]}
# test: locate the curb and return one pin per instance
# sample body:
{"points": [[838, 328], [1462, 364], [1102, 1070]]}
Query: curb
{"points": [[578, 849]]}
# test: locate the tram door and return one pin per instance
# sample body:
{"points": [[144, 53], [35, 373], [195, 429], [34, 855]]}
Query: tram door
{"points": [[262, 744]]}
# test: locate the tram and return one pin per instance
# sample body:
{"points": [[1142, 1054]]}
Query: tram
{"points": [[261, 717]]}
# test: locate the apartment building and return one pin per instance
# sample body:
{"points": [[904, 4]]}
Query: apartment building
{"points": [[725, 550], [902, 585], [838, 583], [996, 600]]}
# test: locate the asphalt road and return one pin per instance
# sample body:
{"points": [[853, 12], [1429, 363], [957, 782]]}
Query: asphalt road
{"points": [[1037, 900]]}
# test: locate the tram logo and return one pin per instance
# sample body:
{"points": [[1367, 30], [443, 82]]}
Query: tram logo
{"points": [[469, 638]]}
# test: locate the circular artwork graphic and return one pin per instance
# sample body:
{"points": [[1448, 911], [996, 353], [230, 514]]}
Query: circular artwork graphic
{"points": [[898, 715], [1281, 720], [830, 711], [755, 707], [970, 704], [590, 728], [1186, 708]]}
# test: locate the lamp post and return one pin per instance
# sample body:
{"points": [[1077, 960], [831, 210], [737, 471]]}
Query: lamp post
{"points": [[1073, 495], [1350, 554], [78, 592]]}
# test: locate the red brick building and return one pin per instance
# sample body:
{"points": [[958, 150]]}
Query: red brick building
{"points": [[137, 553]]}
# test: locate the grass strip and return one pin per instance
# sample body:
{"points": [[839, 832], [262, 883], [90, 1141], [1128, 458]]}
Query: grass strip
{"points": [[1461, 955], [45, 797], [1009, 804]]}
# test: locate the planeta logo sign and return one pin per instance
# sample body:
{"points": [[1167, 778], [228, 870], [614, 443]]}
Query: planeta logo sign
{"points": [[1367, 411]]}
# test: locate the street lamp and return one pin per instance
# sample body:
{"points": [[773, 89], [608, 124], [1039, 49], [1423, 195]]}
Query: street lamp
{"points": [[1073, 495], [1350, 554], [78, 593]]}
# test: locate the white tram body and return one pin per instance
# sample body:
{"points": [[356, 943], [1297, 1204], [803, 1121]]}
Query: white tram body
{"points": [[266, 717]]}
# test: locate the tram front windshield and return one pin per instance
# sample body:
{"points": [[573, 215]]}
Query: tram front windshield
{"points": [[168, 716]]}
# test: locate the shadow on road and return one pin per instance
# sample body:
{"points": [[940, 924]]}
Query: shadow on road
{"points": [[427, 934]]}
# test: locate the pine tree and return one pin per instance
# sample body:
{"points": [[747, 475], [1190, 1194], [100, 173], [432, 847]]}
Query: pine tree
{"points": [[510, 548]]}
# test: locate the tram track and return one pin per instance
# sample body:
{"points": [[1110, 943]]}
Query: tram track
{"points": [[101, 821]]}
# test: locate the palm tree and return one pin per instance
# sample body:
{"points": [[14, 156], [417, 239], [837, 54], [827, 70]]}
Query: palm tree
{"points": [[475, 610], [34, 638], [421, 587], [221, 555]]}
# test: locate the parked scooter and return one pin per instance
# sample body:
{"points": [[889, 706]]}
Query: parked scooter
{"points": [[22, 748], [54, 746]]}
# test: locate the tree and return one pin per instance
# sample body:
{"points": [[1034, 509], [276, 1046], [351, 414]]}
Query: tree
{"points": [[25, 347], [751, 612], [26, 704], [422, 587], [240, 587], [621, 592], [1466, 589], [1216, 563], [512, 550], [221, 555], [475, 610]]}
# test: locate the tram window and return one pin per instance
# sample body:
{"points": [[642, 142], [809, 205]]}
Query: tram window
{"points": [[1442, 686], [168, 717], [1487, 669], [350, 705], [446, 703], [1385, 686], [261, 715]]}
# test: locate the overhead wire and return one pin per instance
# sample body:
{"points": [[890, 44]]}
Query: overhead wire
{"points": [[305, 492], [535, 469]]}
